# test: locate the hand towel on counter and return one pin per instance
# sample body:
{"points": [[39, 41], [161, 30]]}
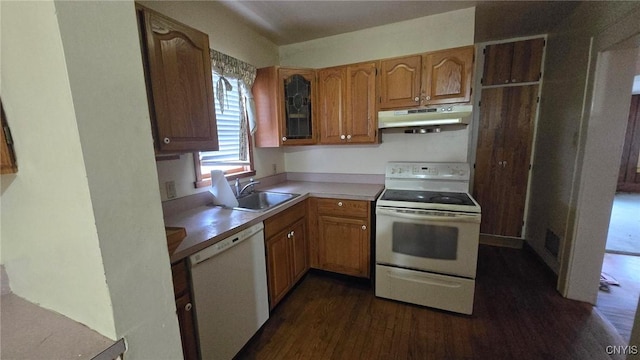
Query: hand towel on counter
{"points": [[221, 190]]}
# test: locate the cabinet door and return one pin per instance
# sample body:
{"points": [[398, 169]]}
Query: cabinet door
{"points": [[526, 64], [299, 250], [7, 157], [362, 117], [513, 62], [332, 101], [179, 75], [343, 245], [503, 156], [447, 76], [278, 267], [187, 327], [298, 88], [400, 82], [497, 64]]}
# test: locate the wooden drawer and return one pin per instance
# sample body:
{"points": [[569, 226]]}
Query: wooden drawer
{"points": [[351, 208], [279, 222], [180, 278]]}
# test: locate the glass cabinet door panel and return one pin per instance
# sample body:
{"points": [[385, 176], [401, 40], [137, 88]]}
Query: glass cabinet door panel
{"points": [[297, 101]]}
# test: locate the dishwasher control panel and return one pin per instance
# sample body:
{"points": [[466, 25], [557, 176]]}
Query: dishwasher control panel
{"points": [[225, 244]]}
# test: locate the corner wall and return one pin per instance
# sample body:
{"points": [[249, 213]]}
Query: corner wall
{"points": [[564, 127], [50, 243]]}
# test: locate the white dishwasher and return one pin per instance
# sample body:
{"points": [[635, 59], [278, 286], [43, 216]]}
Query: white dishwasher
{"points": [[229, 282]]}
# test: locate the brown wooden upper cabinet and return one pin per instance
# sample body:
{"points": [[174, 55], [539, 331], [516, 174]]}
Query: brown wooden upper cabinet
{"points": [[179, 84], [347, 104], [7, 156], [439, 77], [513, 62], [285, 101]]}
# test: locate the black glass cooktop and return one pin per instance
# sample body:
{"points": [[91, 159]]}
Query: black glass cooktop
{"points": [[432, 197]]}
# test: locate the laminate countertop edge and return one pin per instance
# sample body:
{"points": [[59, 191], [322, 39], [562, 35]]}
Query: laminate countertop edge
{"points": [[209, 224]]}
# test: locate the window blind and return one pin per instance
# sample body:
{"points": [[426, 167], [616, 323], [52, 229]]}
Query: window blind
{"points": [[228, 122]]}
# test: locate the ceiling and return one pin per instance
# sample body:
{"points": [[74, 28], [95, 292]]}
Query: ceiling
{"points": [[288, 22]]}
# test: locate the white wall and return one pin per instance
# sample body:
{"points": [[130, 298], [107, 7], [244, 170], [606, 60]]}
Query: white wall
{"points": [[106, 77], [436, 32], [50, 243], [83, 232], [227, 34], [564, 127]]}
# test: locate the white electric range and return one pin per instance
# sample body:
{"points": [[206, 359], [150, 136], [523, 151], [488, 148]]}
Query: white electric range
{"points": [[427, 236]]}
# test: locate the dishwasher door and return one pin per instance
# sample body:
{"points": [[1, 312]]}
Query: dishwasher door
{"points": [[229, 282]]}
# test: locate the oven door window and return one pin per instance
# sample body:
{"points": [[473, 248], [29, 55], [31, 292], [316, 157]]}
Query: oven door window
{"points": [[425, 241]]}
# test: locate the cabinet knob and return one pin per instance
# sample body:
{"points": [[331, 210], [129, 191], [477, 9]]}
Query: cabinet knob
{"points": [[339, 203], [506, 81], [188, 307], [284, 138], [428, 97], [416, 99], [364, 227], [514, 80], [348, 137], [342, 137], [166, 140], [293, 233]]}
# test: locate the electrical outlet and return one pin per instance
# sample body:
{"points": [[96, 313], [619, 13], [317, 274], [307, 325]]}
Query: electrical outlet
{"points": [[170, 186]]}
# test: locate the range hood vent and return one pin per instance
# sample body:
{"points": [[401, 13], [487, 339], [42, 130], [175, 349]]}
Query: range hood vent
{"points": [[440, 115]]}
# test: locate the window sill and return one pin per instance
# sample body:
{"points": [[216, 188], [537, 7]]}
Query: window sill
{"points": [[205, 182]]}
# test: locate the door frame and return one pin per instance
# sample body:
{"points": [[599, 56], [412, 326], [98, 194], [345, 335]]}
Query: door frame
{"points": [[605, 114]]}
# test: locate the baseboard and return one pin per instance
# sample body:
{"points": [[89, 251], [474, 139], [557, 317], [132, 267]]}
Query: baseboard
{"points": [[503, 241]]}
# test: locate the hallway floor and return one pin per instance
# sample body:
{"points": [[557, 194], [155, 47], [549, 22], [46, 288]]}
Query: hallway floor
{"points": [[620, 303]]}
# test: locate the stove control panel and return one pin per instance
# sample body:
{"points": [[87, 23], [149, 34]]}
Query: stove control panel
{"points": [[419, 170]]}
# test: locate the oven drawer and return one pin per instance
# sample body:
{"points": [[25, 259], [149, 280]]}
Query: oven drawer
{"points": [[352, 208], [426, 289]]}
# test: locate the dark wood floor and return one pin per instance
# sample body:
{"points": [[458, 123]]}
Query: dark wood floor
{"points": [[517, 315], [619, 304]]}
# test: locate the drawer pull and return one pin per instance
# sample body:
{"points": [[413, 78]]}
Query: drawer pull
{"points": [[188, 307], [339, 203]]}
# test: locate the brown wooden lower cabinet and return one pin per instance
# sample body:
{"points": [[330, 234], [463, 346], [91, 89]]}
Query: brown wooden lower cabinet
{"points": [[185, 312], [287, 251], [342, 236]]}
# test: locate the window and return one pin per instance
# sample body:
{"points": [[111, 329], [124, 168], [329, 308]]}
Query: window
{"points": [[234, 154]]}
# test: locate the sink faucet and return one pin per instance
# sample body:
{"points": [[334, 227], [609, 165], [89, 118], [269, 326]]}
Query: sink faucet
{"points": [[251, 183]]}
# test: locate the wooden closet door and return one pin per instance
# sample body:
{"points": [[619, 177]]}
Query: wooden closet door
{"points": [[488, 167], [503, 156]]}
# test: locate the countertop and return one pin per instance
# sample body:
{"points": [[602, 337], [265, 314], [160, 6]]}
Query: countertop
{"points": [[206, 225], [31, 332]]}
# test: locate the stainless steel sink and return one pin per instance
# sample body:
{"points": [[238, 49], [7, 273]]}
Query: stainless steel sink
{"points": [[263, 200]]}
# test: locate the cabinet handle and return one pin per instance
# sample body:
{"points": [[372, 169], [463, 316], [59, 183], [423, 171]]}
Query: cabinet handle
{"points": [[188, 307], [166, 140], [342, 137], [284, 138], [364, 227], [416, 99], [339, 203], [348, 137]]}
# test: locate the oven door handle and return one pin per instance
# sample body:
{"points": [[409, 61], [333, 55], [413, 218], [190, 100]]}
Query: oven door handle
{"points": [[418, 216]]}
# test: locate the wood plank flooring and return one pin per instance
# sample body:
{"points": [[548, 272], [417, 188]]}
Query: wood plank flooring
{"points": [[517, 315], [620, 303]]}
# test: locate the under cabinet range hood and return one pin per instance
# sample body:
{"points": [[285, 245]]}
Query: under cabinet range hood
{"points": [[431, 116]]}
